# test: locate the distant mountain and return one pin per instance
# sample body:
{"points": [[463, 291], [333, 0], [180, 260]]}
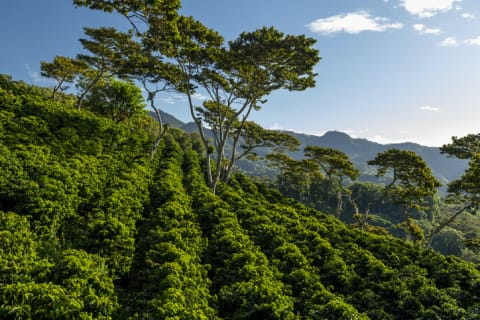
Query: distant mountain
{"points": [[168, 119], [359, 150]]}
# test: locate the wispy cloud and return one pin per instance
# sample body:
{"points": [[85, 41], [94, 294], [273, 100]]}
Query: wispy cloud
{"points": [[468, 16], [199, 96], [174, 98], [448, 42], [352, 23], [383, 140], [430, 109], [37, 77], [473, 41], [428, 8], [422, 29], [355, 133]]}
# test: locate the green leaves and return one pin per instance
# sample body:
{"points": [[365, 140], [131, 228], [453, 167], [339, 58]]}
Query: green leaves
{"points": [[332, 162], [117, 100], [412, 179], [467, 188], [63, 70], [464, 147], [267, 60], [91, 228], [411, 184]]}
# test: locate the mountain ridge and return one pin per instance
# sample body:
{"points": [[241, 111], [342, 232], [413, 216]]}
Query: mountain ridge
{"points": [[359, 150]]}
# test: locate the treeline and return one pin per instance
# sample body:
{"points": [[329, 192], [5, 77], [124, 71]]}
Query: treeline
{"points": [[405, 203], [93, 227]]}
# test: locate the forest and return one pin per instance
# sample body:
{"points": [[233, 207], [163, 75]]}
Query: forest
{"points": [[109, 213]]}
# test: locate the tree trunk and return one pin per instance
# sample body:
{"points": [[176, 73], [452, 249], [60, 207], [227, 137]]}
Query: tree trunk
{"points": [[161, 129]]}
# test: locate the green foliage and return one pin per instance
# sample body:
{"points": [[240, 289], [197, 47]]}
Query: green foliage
{"points": [[115, 99], [63, 70], [92, 227], [411, 185], [69, 285], [464, 147]]}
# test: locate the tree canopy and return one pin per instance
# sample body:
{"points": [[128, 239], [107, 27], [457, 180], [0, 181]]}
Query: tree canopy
{"points": [[185, 55], [411, 182]]}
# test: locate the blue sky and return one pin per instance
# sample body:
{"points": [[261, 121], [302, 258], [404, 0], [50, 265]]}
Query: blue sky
{"points": [[391, 71]]}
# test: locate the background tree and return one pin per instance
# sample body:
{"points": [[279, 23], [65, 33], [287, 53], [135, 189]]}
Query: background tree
{"points": [[367, 197], [336, 167], [116, 99], [412, 182], [463, 148], [63, 70], [240, 77], [295, 176], [102, 60], [464, 192]]}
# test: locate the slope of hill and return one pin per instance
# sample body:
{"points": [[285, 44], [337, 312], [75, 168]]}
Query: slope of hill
{"points": [[168, 119], [92, 228]]}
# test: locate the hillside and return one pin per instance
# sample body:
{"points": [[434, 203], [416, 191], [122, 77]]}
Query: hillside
{"points": [[168, 119], [92, 228]]}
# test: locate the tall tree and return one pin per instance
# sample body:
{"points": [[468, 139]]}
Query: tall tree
{"points": [[240, 77], [237, 78], [336, 167], [295, 176], [464, 147], [465, 191], [163, 35], [412, 182]]}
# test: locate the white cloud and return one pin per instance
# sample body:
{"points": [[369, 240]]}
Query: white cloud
{"points": [[448, 42], [352, 23], [276, 126], [174, 98], [199, 96], [468, 16], [422, 29], [37, 77], [427, 8], [430, 109], [383, 140], [473, 41]]}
